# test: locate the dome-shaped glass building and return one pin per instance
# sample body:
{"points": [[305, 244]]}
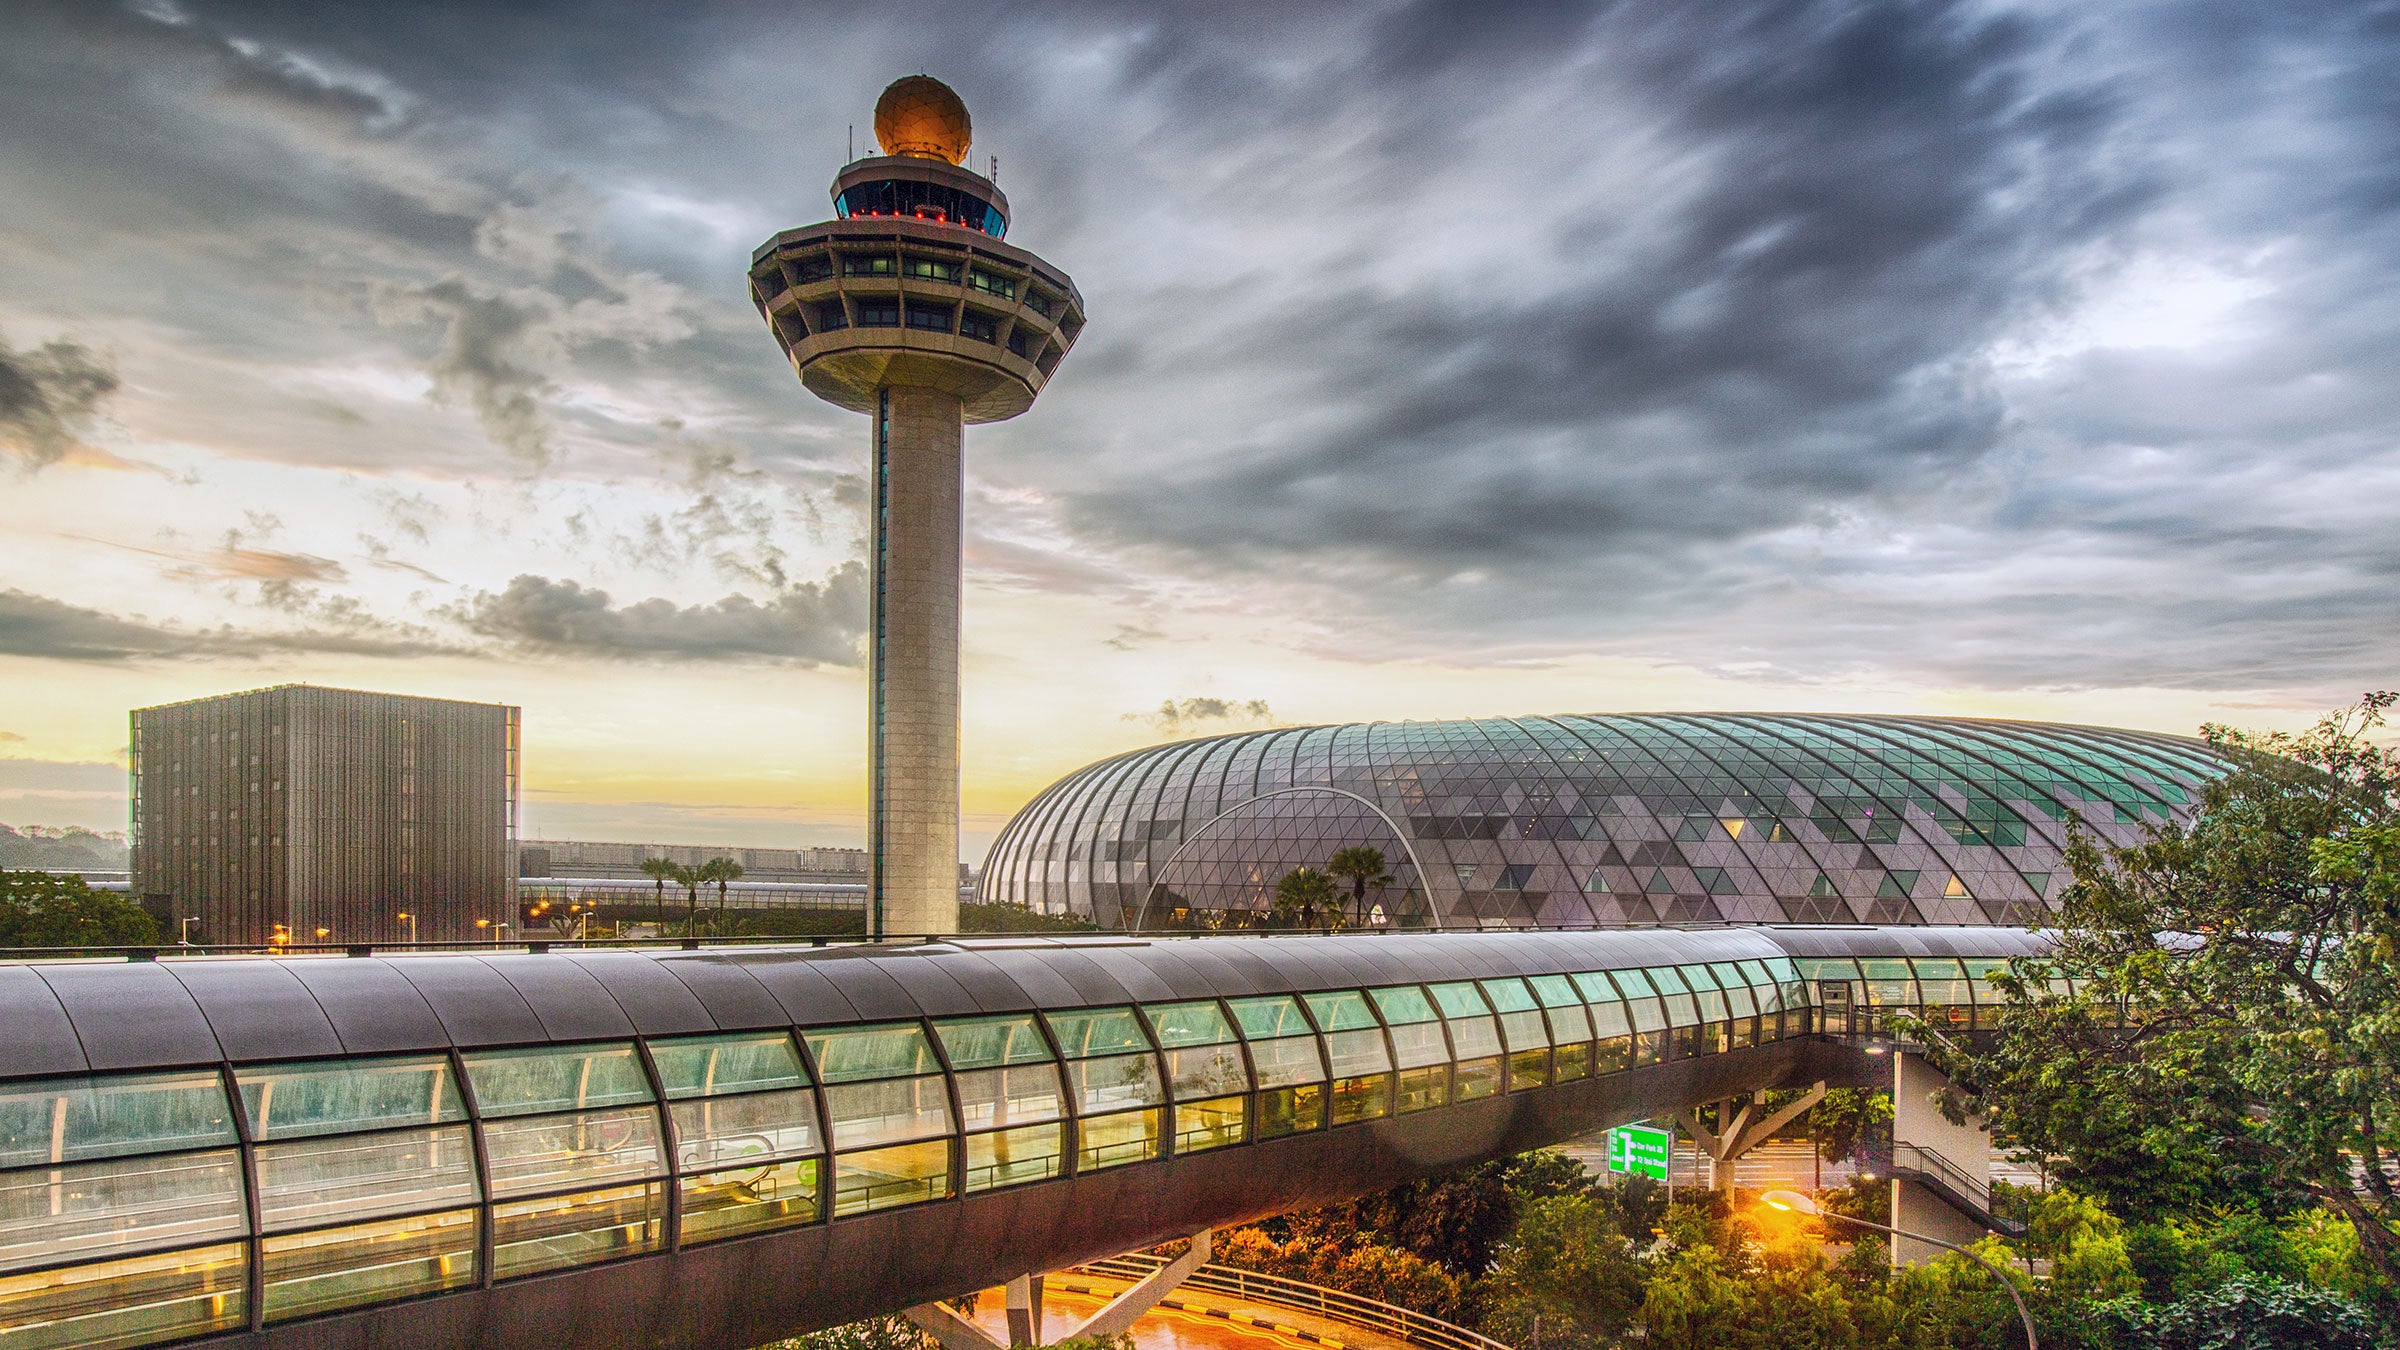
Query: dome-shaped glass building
{"points": [[1599, 820]]}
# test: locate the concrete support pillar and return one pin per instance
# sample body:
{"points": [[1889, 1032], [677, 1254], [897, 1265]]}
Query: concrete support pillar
{"points": [[1737, 1133], [1927, 1148], [917, 478], [1025, 1310]]}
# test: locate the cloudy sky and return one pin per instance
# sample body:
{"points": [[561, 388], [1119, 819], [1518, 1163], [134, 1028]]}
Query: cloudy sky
{"points": [[1445, 359]]}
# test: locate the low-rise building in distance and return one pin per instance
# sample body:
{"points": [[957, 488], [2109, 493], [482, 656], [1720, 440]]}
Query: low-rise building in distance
{"points": [[570, 872], [306, 814]]}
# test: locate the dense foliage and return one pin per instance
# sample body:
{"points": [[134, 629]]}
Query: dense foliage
{"points": [[2257, 1072], [997, 916], [38, 909], [1526, 1251]]}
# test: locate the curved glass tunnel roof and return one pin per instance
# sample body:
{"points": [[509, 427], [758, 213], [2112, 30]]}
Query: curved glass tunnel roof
{"points": [[1600, 820]]}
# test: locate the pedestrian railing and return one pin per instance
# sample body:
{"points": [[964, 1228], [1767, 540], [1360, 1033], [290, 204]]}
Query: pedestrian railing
{"points": [[1332, 1304]]}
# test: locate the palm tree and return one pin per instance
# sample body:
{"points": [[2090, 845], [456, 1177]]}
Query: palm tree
{"points": [[690, 879], [661, 871], [724, 872], [1301, 894], [1362, 866]]}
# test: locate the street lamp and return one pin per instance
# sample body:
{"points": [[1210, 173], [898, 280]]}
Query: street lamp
{"points": [[1796, 1203], [184, 935], [412, 928]]}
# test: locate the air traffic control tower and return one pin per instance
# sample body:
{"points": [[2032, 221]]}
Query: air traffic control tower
{"points": [[908, 307]]}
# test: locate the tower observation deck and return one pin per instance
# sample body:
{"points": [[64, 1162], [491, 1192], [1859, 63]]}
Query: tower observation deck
{"points": [[908, 307]]}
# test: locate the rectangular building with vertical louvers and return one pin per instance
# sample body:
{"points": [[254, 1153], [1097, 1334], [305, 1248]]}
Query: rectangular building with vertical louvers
{"points": [[295, 809]]}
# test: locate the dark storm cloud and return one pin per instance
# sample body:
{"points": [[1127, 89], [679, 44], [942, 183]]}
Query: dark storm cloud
{"points": [[806, 624], [1809, 337], [482, 359], [34, 625], [48, 399], [1868, 194]]}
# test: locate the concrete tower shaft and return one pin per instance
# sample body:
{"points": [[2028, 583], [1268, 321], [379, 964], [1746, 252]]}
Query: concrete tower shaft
{"points": [[908, 307]]}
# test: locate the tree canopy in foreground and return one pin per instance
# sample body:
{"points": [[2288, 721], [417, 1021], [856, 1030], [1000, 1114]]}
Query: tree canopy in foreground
{"points": [[2256, 953]]}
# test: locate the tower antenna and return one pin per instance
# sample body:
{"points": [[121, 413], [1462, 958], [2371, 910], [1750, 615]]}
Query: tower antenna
{"points": [[853, 144]]}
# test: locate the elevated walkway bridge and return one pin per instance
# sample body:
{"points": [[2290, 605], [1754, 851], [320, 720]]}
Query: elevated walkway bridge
{"points": [[720, 1147]]}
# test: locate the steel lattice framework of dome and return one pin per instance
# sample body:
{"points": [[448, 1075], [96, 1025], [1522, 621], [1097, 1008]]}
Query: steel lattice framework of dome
{"points": [[1602, 820]]}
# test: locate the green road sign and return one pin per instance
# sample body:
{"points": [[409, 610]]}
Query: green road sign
{"points": [[1639, 1148]]}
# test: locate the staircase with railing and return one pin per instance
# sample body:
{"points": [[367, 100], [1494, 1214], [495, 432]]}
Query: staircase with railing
{"points": [[1969, 1195]]}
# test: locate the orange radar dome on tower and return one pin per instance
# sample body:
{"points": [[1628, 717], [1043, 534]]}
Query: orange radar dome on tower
{"points": [[922, 117]]}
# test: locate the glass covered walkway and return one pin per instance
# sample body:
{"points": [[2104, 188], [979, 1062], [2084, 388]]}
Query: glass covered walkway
{"points": [[274, 1149]]}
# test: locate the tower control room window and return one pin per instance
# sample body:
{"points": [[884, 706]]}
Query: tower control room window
{"points": [[366, 1181], [829, 316], [1570, 1025], [934, 318], [870, 265], [992, 284], [1009, 1101], [1474, 1040], [1419, 1049], [572, 1141], [1117, 1092], [1290, 1067], [879, 311], [1205, 1072], [121, 1210], [890, 1109], [974, 323], [748, 1156], [928, 269], [1355, 1051]]}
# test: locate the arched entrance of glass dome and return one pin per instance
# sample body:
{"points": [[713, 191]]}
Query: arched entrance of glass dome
{"points": [[1229, 866]]}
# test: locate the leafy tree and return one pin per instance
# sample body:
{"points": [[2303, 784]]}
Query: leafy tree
{"points": [[2259, 950], [1696, 1299], [1348, 1260], [38, 909], [691, 880], [1363, 867], [723, 872], [874, 1333], [1861, 1199], [660, 871], [997, 916], [1567, 1277], [1302, 895], [1846, 1119], [2245, 1315], [1456, 1221]]}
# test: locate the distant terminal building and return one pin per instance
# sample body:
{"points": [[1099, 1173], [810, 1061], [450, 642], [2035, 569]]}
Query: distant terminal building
{"points": [[325, 815], [1600, 821], [588, 858], [591, 871]]}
